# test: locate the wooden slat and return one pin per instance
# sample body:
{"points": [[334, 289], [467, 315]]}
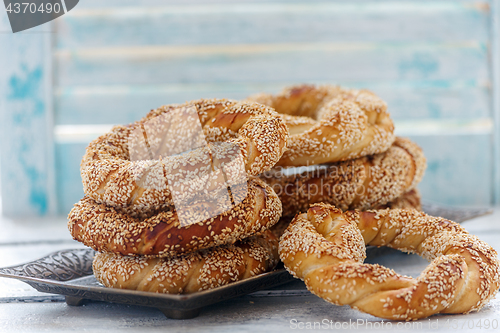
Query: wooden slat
{"points": [[495, 59], [344, 63], [437, 100], [93, 4], [69, 182], [459, 169], [248, 23], [83, 134], [430, 127], [406, 100], [26, 123], [4, 27]]}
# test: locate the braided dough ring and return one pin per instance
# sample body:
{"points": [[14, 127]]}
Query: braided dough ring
{"points": [[195, 271], [140, 164], [362, 183], [325, 248], [330, 124], [159, 233]]}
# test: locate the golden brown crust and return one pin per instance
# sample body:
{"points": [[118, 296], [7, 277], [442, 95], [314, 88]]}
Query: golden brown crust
{"points": [[192, 272], [323, 248], [121, 170], [345, 124], [160, 234], [361, 183]]}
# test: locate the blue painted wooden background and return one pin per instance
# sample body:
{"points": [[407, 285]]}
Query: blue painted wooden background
{"points": [[436, 63]]}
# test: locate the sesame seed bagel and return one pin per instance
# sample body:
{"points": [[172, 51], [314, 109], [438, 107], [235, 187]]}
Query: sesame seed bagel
{"points": [[330, 124], [361, 183], [326, 248], [160, 233], [176, 150], [192, 272]]}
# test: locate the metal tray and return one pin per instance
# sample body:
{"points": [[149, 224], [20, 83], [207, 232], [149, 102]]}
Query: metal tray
{"points": [[69, 273]]}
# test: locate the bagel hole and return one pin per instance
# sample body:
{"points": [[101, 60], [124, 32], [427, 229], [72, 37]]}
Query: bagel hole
{"points": [[402, 263]]}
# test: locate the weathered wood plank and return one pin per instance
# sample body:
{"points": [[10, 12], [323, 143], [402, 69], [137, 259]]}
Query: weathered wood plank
{"points": [[437, 100], [76, 134], [495, 63], [406, 100], [25, 126], [69, 182], [447, 127], [4, 24], [92, 4], [248, 23], [344, 63], [459, 169]]}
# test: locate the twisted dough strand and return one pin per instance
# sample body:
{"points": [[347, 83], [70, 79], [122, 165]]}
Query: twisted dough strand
{"points": [[191, 272], [325, 248]]}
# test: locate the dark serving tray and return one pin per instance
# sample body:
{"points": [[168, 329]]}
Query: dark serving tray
{"points": [[69, 273]]}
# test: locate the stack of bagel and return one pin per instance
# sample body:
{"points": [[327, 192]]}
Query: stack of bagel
{"points": [[195, 196], [173, 222]]}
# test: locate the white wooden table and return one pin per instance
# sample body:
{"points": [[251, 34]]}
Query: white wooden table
{"points": [[22, 309]]}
